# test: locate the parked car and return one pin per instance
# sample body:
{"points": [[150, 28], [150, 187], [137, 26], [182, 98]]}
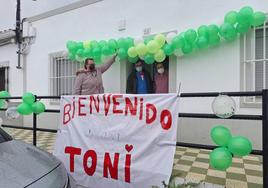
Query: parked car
{"points": [[24, 165]]}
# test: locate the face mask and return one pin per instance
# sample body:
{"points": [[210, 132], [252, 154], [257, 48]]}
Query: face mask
{"points": [[139, 69], [92, 67], [161, 70]]}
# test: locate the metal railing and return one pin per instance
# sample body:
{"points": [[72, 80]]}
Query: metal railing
{"points": [[263, 118]]}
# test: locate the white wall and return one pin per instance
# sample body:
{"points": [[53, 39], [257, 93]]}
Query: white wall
{"points": [[216, 69], [15, 84]]}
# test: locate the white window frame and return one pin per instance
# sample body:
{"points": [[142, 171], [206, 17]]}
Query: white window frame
{"points": [[248, 59], [61, 59]]}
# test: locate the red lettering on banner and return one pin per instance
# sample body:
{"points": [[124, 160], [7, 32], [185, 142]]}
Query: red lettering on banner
{"points": [[116, 103], [96, 103], [113, 168], [66, 112], [141, 108], [152, 108], [80, 105], [72, 151], [107, 101], [109, 167], [129, 106], [128, 163], [93, 155], [73, 107], [166, 114]]}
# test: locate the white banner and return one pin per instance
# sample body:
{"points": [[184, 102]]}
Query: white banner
{"points": [[113, 140]]}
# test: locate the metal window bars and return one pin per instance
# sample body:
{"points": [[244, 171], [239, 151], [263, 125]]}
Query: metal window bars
{"points": [[263, 118]]}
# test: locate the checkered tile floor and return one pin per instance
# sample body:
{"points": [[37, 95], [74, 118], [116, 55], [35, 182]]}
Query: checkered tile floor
{"points": [[190, 164]]}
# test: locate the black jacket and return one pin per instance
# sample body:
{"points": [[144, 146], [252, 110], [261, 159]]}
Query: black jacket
{"points": [[132, 82]]}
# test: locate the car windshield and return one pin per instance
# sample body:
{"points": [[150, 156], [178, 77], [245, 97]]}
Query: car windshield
{"points": [[4, 137]]}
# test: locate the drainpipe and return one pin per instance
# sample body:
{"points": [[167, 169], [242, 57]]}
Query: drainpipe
{"points": [[18, 33]]}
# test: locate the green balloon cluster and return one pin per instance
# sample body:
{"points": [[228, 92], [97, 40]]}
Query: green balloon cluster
{"points": [[30, 105], [221, 158], [157, 48], [240, 22], [3, 94]]}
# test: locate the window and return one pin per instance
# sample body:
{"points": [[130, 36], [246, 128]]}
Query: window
{"points": [[4, 76], [254, 62], [62, 74]]}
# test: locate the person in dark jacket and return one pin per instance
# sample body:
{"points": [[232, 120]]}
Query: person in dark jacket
{"points": [[139, 81]]}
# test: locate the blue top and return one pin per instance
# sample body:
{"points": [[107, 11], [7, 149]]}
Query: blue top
{"points": [[141, 86]]}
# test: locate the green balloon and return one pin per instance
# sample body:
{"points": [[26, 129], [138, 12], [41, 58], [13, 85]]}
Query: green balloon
{"points": [[245, 15], [96, 52], [106, 50], [24, 109], [4, 94], [28, 98], [240, 146], [220, 158], [242, 28], [203, 31], [148, 39], [102, 43], [178, 42], [2, 103], [88, 52], [141, 49], [38, 107], [214, 40], [71, 46], [133, 59], [80, 45], [213, 29], [220, 135], [187, 48], [86, 44], [160, 39], [231, 17], [129, 42], [202, 42], [159, 56], [228, 32], [132, 52], [168, 49], [80, 53], [94, 44], [149, 59], [258, 19], [122, 43], [112, 43], [190, 35], [122, 53], [153, 46]]}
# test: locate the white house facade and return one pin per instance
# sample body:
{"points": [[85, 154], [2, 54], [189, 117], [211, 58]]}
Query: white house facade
{"points": [[240, 65]]}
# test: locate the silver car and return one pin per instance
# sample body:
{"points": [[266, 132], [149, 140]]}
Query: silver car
{"points": [[23, 165]]}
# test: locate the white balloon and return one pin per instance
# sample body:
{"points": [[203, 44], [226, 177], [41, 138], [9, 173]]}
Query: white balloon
{"points": [[223, 106], [170, 37], [178, 52], [11, 113], [138, 41]]}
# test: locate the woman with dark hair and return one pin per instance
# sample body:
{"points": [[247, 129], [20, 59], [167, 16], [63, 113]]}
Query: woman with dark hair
{"points": [[89, 80]]}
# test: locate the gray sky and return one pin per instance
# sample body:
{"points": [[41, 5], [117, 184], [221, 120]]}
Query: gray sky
{"points": [[28, 8]]}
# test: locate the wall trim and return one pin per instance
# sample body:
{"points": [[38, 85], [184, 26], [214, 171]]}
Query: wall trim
{"points": [[61, 10]]}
